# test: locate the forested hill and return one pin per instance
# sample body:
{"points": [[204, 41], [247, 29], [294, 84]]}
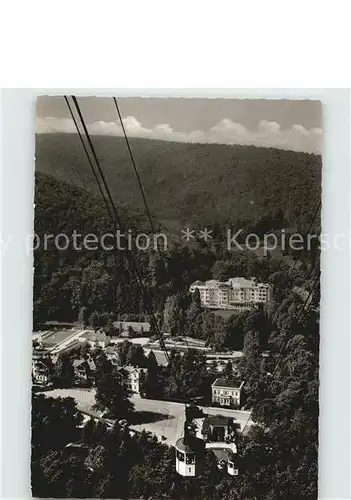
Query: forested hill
{"points": [[193, 182]]}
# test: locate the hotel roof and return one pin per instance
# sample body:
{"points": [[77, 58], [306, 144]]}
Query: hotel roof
{"points": [[223, 382], [197, 283], [130, 368], [241, 282], [216, 420]]}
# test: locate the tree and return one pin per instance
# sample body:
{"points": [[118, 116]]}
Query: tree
{"points": [[88, 433], [64, 370], [174, 313], [111, 395], [187, 378], [235, 327], [110, 329], [153, 384], [136, 356], [194, 309], [83, 316], [84, 349], [123, 351], [151, 361], [54, 423], [228, 370], [95, 320], [213, 369], [222, 270]]}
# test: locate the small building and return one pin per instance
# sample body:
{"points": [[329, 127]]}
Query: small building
{"points": [[227, 392], [95, 339], [42, 371], [133, 328], [82, 372], [216, 428], [91, 364], [112, 354], [132, 377]]}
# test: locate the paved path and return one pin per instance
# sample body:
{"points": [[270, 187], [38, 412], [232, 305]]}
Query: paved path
{"points": [[162, 418]]}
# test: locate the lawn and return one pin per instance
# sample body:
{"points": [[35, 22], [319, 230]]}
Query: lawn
{"points": [[56, 337], [225, 314]]}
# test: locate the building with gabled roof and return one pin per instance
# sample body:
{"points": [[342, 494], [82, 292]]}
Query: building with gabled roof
{"points": [[227, 392], [95, 339], [132, 377], [42, 371], [112, 354], [217, 428], [83, 374], [234, 294], [131, 329]]}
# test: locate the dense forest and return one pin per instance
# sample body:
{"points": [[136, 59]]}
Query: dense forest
{"points": [[70, 283], [193, 183]]}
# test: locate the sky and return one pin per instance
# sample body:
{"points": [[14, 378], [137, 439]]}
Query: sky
{"points": [[281, 123]]}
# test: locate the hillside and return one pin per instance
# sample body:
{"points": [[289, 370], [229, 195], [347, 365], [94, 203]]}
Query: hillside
{"points": [[192, 183]]}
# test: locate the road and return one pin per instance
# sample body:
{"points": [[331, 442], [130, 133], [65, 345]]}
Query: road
{"points": [[162, 418]]}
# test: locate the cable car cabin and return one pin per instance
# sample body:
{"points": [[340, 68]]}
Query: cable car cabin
{"points": [[190, 454]]}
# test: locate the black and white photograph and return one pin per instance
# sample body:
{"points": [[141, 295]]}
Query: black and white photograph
{"points": [[176, 302]]}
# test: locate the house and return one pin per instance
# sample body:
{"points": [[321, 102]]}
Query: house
{"points": [[216, 428], [42, 371], [133, 377], [95, 339], [91, 364], [112, 354], [133, 328], [82, 372], [227, 392], [235, 294]]}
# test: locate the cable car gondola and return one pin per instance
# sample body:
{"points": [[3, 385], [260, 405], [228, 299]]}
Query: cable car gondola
{"points": [[190, 450]]}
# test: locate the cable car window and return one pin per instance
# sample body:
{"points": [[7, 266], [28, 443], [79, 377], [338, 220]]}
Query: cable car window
{"points": [[190, 458], [180, 456]]}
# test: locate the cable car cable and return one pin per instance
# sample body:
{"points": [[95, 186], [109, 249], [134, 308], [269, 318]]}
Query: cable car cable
{"points": [[115, 218], [137, 175]]}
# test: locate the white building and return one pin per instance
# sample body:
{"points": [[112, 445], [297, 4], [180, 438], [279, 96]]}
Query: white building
{"points": [[227, 392], [132, 377], [42, 371], [236, 293]]}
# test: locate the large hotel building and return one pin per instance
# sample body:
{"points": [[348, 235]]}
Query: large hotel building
{"points": [[236, 293]]}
